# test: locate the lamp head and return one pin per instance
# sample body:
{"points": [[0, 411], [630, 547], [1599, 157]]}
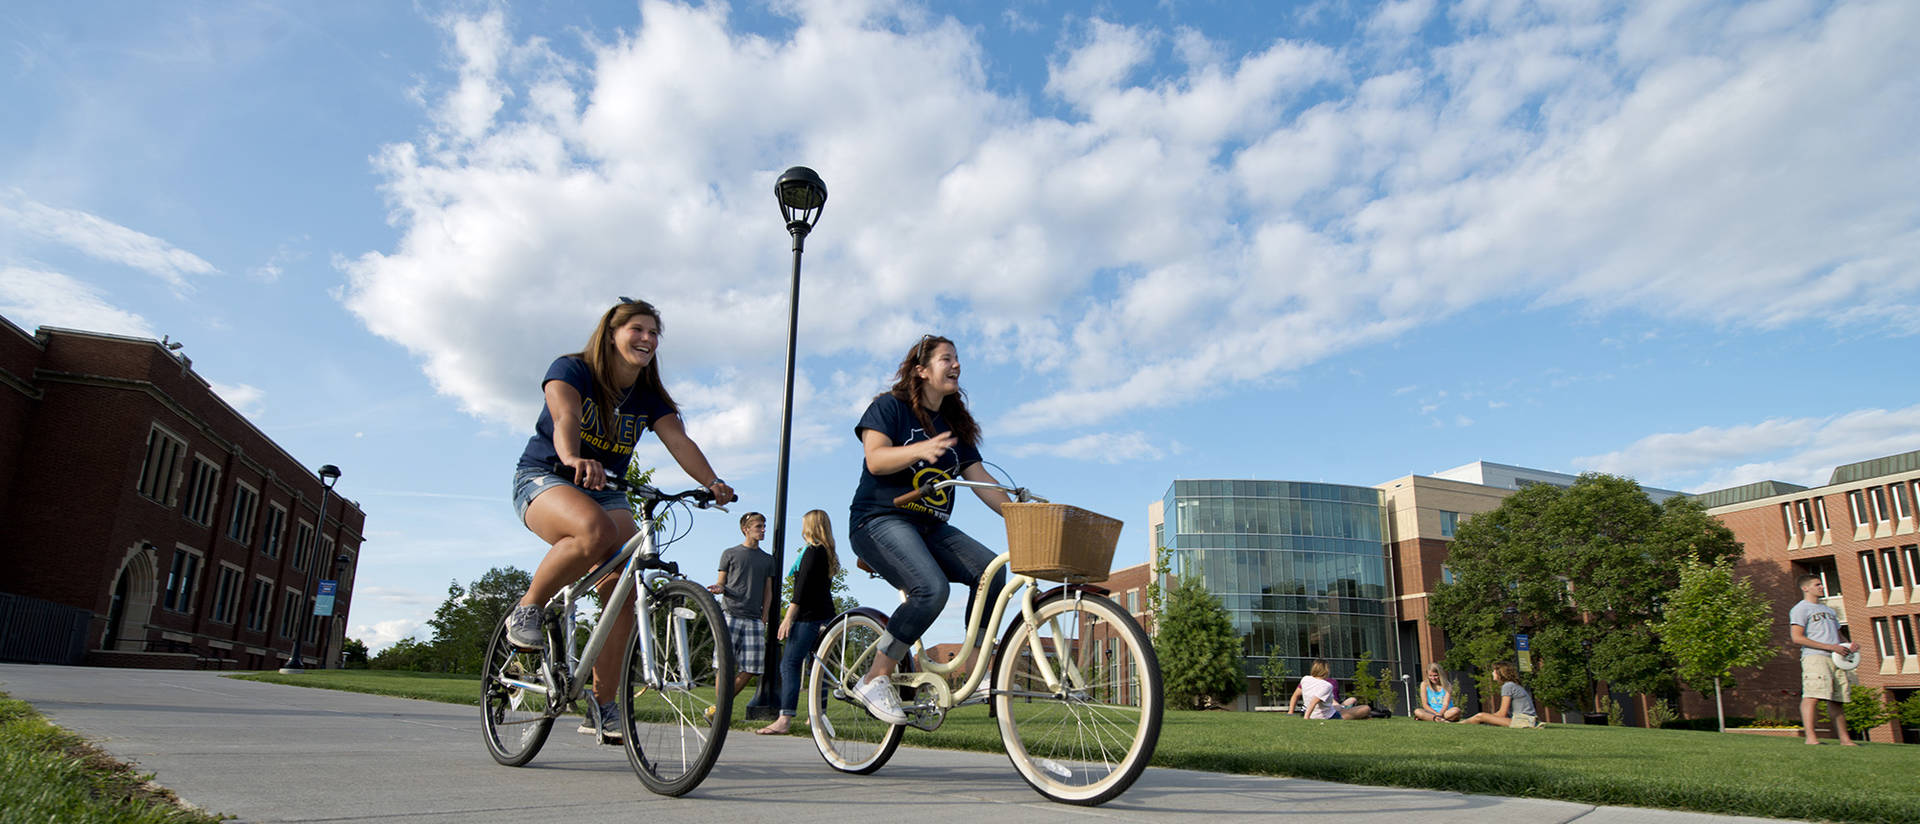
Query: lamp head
{"points": [[328, 474], [802, 196]]}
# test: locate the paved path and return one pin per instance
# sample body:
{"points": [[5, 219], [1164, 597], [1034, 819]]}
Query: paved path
{"points": [[265, 752]]}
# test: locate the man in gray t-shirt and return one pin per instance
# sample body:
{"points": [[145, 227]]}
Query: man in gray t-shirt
{"points": [[1816, 629], [746, 589]]}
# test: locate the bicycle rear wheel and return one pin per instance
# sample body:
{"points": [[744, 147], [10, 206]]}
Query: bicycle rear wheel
{"points": [[514, 701], [677, 715], [1086, 736], [850, 738]]}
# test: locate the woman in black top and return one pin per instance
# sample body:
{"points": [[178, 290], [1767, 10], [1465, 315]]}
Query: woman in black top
{"points": [[812, 607]]}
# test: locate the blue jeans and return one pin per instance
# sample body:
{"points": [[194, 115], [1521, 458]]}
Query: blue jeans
{"points": [[920, 557], [798, 647]]}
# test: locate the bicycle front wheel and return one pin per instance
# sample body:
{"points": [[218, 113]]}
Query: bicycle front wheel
{"points": [[1077, 695], [514, 701], [677, 714], [849, 737]]}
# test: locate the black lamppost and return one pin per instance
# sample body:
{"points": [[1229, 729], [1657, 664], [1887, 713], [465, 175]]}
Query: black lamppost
{"points": [[802, 196], [328, 475]]}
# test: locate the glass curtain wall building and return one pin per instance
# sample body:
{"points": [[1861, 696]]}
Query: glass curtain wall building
{"points": [[1300, 567]]}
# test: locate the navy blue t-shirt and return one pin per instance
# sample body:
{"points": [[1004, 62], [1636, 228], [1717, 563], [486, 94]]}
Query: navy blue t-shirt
{"points": [[891, 417], [612, 445]]}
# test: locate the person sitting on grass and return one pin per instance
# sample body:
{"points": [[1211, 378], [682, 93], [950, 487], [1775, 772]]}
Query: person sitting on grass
{"points": [[1516, 704], [1436, 697], [1322, 703]]}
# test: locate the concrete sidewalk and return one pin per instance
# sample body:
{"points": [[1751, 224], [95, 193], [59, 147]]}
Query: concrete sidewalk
{"points": [[265, 752]]}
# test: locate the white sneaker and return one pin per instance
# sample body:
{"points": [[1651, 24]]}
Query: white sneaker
{"points": [[880, 699]]}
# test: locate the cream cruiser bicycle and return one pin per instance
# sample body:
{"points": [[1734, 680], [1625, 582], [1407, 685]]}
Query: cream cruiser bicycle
{"points": [[677, 690], [1075, 686]]}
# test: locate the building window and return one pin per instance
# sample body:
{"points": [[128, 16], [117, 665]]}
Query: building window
{"points": [[1449, 521], [1806, 516], [1870, 571], [246, 504], [1786, 520], [1883, 635], [1858, 507], [164, 452], [226, 593], [202, 490], [1446, 574], [1891, 558], [1903, 633], [276, 531], [1879, 497], [326, 557], [1820, 509], [262, 605], [302, 546], [1912, 554], [1829, 573], [1899, 494], [1133, 601], [181, 577], [313, 624], [289, 613]]}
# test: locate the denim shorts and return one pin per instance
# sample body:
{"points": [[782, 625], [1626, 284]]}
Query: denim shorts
{"points": [[529, 482]]}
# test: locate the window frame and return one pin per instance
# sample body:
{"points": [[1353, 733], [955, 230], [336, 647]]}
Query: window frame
{"points": [[203, 491], [1870, 570], [1890, 559], [260, 605], [1449, 526], [302, 545], [1903, 635], [182, 584], [154, 482], [226, 598], [1856, 502], [246, 511], [273, 539], [289, 609]]}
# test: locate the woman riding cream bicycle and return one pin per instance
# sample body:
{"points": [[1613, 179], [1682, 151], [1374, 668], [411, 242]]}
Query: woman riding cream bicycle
{"points": [[917, 433], [597, 403]]}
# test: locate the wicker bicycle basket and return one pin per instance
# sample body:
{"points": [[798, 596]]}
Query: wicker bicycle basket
{"points": [[1057, 542]]}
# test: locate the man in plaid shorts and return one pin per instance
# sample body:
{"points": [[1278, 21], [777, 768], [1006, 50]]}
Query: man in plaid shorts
{"points": [[746, 589]]}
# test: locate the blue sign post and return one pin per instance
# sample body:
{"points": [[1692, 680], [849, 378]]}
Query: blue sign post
{"points": [[323, 600], [1523, 645]]}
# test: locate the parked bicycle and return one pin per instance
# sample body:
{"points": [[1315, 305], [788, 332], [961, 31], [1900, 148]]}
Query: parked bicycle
{"points": [[1074, 683], [676, 693]]}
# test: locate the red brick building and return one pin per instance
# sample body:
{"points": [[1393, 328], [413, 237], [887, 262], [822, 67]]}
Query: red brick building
{"points": [[1859, 534], [143, 515]]}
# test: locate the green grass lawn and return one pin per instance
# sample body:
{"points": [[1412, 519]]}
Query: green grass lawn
{"points": [[53, 775], [1672, 769]]}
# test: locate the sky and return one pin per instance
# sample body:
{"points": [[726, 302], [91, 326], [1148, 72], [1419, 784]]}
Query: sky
{"points": [[1320, 241]]}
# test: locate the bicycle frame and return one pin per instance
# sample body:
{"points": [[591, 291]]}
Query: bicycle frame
{"points": [[635, 560], [933, 674]]}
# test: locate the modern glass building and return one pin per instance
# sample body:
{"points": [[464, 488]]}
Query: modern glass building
{"points": [[1300, 567]]}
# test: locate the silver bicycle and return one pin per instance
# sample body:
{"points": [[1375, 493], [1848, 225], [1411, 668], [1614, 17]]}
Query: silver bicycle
{"points": [[676, 694]]}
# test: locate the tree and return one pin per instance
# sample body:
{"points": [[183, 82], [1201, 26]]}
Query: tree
{"points": [[353, 654], [408, 655], [841, 591], [1199, 653], [1866, 708], [1364, 686], [1156, 596], [466, 620], [1714, 624], [1584, 571], [1274, 675]]}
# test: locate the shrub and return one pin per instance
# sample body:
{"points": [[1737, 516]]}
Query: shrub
{"points": [[1616, 715], [1909, 710], [1660, 714], [1866, 709]]}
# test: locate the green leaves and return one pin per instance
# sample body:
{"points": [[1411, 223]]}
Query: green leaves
{"points": [[1198, 650], [1585, 571]]}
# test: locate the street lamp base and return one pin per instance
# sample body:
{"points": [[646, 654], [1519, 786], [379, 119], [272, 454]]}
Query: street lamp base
{"points": [[292, 669]]}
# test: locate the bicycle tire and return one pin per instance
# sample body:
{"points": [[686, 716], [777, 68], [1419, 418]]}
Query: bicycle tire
{"points": [[1089, 740], [672, 740], [849, 738], [514, 720]]}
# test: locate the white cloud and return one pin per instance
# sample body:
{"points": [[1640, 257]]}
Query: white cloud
{"points": [[247, 399], [1207, 219], [1796, 450], [382, 634], [31, 298], [102, 239], [1105, 447]]}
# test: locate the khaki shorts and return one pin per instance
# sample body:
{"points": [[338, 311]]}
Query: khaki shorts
{"points": [[1819, 678], [1523, 721]]}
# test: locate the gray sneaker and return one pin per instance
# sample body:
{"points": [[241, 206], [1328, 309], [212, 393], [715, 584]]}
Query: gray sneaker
{"points": [[523, 628]]}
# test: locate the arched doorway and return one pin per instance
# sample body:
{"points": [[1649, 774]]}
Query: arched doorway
{"points": [[135, 590]]}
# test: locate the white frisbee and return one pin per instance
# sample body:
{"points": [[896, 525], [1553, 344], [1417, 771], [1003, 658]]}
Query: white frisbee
{"points": [[1847, 660]]}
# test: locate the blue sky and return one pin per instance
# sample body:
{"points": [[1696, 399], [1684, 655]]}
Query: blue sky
{"points": [[1335, 241]]}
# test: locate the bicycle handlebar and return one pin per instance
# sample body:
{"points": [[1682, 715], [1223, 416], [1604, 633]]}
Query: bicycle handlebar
{"points": [[700, 497], [1020, 494]]}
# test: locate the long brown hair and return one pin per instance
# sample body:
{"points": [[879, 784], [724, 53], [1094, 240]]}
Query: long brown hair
{"points": [[817, 530], [599, 357], [907, 384]]}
